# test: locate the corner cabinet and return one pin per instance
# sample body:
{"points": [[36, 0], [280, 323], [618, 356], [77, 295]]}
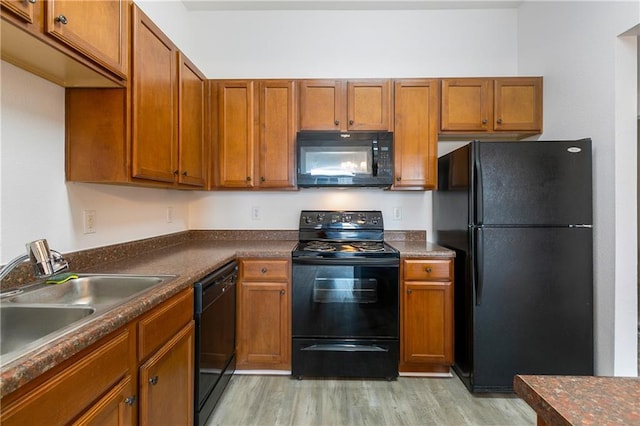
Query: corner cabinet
{"points": [[338, 105], [416, 133], [128, 377], [264, 306], [426, 322], [476, 106], [255, 137], [151, 133]]}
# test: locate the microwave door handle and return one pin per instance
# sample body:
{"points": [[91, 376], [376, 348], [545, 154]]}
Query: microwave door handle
{"points": [[374, 165]]}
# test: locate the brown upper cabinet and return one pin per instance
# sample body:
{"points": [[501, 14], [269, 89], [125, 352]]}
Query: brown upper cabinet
{"points": [[153, 133], [255, 137], [491, 105], [71, 43], [416, 133], [345, 105]]}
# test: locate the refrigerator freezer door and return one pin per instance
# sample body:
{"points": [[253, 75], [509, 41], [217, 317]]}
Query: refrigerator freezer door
{"points": [[535, 314], [532, 183]]}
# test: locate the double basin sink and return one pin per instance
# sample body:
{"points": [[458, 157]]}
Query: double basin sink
{"points": [[43, 312]]}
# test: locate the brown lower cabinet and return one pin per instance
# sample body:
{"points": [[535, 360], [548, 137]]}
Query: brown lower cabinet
{"points": [[264, 325], [128, 377], [426, 322]]}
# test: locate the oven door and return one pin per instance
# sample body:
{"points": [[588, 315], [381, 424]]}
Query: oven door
{"points": [[347, 299]]}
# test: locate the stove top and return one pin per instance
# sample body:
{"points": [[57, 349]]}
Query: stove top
{"points": [[328, 234]]}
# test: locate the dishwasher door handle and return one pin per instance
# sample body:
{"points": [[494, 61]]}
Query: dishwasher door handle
{"points": [[345, 347]]}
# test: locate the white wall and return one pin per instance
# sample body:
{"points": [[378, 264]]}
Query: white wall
{"points": [[589, 91], [35, 200]]}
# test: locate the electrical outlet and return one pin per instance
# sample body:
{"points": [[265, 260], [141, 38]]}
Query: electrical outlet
{"points": [[169, 214], [256, 214], [89, 221], [397, 213]]}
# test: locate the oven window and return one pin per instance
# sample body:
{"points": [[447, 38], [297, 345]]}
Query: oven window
{"points": [[335, 160], [345, 290]]}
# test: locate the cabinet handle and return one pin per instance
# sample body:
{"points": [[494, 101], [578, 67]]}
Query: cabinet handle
{"points": [[409, 291], [62, 19], [263, 270], [337, 122], [131, 400], [153, 380], [485, 121], [499, 120], [428, 269], [350, 122], [282, 292]]}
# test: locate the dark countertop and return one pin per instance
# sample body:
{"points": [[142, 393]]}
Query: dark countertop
{"points": [[581, 400], [190, 256]]}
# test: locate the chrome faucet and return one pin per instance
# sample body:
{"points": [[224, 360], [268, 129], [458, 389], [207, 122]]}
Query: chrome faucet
{"points": [[45, 261]]}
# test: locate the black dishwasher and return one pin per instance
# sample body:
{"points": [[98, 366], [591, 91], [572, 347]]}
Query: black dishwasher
{"points": [[215, 318]]}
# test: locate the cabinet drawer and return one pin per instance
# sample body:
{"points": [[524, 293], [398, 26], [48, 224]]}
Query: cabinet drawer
{"points": [[66, 395], [427, 270], [261, 269], [163, 322]]}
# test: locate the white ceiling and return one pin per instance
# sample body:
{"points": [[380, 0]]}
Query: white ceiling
{"points": [[204, 5]]}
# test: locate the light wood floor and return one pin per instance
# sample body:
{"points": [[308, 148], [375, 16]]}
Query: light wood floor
{"points": [[282, 400]]}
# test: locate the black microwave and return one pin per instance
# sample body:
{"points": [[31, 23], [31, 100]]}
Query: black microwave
{"points": [[333, 159]]}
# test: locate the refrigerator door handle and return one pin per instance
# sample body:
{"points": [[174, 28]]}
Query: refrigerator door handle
{"points": [[478, 259], [477, 186]]}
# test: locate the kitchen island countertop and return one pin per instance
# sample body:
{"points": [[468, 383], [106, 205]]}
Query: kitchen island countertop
{"points": [[581, 400]]}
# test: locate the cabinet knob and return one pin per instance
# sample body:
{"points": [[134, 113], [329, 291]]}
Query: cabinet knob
{"points": [[409, 291], [176, 173], [62, 19], [282, 292], [499, 121], [262, 179], [428, 269], [263, 270], [153, 380], [350, 122], [337, 122], [399, 178], [131, 400], [248, 178], [32, 1], [184, 173], [485, 121]]}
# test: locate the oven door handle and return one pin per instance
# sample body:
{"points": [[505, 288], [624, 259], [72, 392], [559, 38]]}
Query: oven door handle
{"points": [[344, 347], [346, 261]]}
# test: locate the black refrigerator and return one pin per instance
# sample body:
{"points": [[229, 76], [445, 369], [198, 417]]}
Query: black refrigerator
{"points": [[519, 217]]}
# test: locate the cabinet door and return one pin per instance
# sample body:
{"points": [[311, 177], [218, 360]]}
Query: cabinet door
{"points": [[415, 134], [155, 94], [166, 382], [264, 329], [24, 9], [322, 105], [98, 29], [276, 152], [236, 139], [427, 322], [518, 104], [369, 105], [467, 105], [191, 113], [115, 408]]}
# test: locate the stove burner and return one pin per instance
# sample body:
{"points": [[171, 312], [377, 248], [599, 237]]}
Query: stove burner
{"points": [[368, 246], [319, 246]]}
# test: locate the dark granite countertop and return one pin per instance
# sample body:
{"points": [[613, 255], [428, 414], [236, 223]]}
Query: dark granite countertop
{"points": [[190, 255], [581, 400]]}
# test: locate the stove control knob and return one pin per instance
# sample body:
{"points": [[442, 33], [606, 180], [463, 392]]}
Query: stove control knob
{"points": [[307, 219]]}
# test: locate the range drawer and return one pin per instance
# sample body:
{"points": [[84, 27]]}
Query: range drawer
{"points": [[427, 269], [264, 269]]}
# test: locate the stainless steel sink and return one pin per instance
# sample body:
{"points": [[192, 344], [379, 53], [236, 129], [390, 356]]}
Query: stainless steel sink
{"points": [[21, 326], [44, 312], [92, 290]]}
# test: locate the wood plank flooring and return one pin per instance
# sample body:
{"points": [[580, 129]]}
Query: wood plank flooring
{"points": [[282, 400]]}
